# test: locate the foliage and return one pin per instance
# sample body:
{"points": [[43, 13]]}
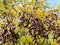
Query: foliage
{"points": [[26, 22]]}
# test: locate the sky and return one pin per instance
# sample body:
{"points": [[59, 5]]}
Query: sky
{"points": [[53, 2]]}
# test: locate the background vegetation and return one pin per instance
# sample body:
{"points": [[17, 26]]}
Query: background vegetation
{"points": [[28, 22]]}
